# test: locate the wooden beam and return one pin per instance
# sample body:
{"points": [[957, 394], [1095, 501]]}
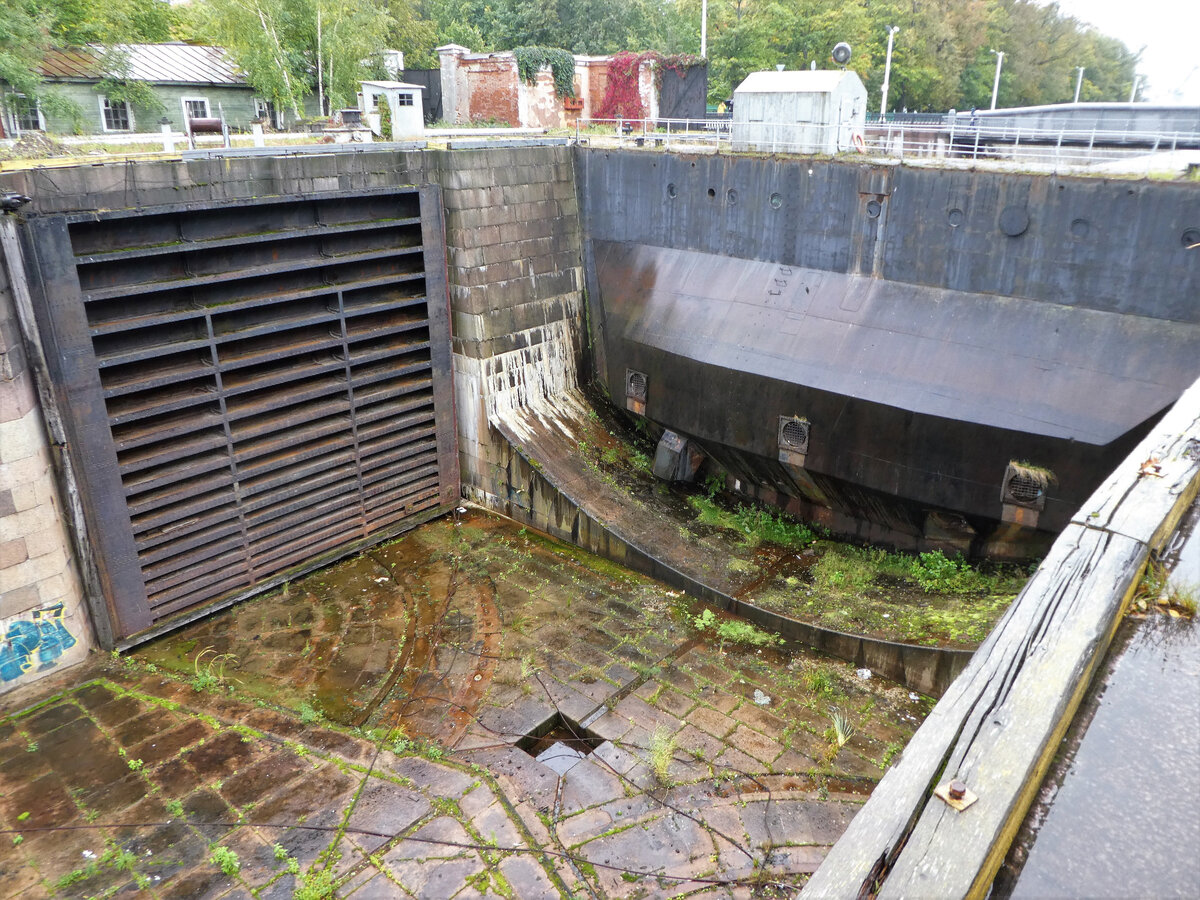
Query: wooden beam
{"points": [[998, 725]]}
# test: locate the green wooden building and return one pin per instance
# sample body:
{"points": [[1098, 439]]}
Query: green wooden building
{"points": [[186, 80]]}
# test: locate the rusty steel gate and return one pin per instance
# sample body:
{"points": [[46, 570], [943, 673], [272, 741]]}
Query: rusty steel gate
{"points": [[248, 389]]}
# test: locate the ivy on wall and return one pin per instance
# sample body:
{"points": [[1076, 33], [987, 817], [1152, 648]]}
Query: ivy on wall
{"points": [[622, 99], [562, 66]]}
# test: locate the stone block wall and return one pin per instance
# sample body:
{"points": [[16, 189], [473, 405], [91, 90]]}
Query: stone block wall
{"points": [[514, 270], [43, 626]]}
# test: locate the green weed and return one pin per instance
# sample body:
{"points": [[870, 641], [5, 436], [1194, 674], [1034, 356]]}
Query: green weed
{"points": [[225, 860], [842, 729], [316, 884], [662, 752]]}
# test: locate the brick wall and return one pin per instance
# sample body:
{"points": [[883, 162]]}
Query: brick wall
{"points": [[491, 90], [43, 626], [515, 278]]}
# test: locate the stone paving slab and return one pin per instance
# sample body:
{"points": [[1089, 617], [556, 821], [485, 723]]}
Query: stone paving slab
{"points": [[396, 772]]}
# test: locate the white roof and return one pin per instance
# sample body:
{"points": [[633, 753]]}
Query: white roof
{"points": [[804, 81], [390, 85]]}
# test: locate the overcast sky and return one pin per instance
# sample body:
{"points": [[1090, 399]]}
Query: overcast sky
{"points": [[1168, 29]]}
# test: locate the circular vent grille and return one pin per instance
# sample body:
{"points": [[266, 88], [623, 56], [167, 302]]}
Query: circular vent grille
{"points": [[793, 435], [635, 385], [1024, 488]]}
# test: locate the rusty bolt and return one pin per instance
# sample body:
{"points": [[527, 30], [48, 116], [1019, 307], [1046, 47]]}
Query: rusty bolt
{"points": [[958, 790]]}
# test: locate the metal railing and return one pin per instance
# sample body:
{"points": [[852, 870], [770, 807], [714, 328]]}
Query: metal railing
{"points": [[953, 142]]}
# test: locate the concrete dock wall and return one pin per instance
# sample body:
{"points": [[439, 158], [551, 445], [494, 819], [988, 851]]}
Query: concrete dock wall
{"points": [[43, 625]]}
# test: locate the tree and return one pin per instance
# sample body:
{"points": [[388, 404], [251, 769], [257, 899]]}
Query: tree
{"points": [[290, 49], [23, 40]]}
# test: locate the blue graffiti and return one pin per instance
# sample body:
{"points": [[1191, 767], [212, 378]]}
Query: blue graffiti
{"points": [[44, 636]]}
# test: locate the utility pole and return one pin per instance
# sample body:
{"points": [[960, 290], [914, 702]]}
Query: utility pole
{"points": [[1078, 82], [996, 83], [704, 29], [1137, 80], [887, 71]]}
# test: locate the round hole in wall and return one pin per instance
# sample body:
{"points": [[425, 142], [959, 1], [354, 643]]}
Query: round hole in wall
{"points": [[672, 191], [776, 200], [874, 208], [731, 196], [1191, 237], [1080, 228], [711, 193], [955, 217], [1014, 220]]}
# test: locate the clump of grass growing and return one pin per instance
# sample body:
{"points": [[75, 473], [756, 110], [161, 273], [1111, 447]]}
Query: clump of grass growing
{"points": [[662, 752], [736, 631], [754, 524]]}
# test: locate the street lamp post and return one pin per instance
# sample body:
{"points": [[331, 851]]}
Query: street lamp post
{"points": [[996, 83], [1078, 82], [704, 29], [887, 70], [1137, 80]]}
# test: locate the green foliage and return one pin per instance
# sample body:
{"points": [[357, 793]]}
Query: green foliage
{"points": [[22, 41], [308, 714], [762, 525], [276, 45], [841, 730], [705, 620], [935, 573], [755, 524], [225, 860], [662, 752], [736, 631], [316, 884], [818, 681], [530, 61]]}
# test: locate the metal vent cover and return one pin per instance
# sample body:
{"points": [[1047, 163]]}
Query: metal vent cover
{"points": [[794, 433], [636, 385], [251, 387], [1023, 488]]}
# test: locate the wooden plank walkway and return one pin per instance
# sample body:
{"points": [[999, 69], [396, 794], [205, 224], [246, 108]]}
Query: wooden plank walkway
{"points": [[999, 724]]}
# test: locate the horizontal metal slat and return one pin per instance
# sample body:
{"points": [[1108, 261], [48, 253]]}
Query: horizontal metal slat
{"points": [[176, 570], [176, 472], [175, 425], [314, 264], [212, 484], [185, 246], [344, 487], [153, 403], [201, 591], [188, 539], [287, 484], [156, 455]]}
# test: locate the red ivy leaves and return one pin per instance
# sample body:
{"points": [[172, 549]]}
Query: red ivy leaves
{"points": [[622, 99]]}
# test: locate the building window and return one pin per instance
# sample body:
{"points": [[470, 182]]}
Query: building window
{"points": [[404, 99], [195, 107], [116, 115], [26, 115]]}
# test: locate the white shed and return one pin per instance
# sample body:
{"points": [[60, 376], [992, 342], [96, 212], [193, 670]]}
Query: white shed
{"points": [[799, 112], [404, 104]]}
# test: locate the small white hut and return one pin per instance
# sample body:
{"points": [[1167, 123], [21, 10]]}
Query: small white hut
{"points": [[403, 102], [799, 112]]}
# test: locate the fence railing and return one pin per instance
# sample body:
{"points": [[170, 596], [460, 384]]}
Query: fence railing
{"points": [[953, 140]]}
